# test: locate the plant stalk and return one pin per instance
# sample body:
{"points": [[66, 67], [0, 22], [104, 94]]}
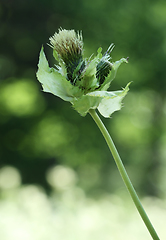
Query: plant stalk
{"points": [[124, 174]]}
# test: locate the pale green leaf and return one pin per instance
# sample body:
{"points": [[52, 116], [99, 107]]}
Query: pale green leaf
{"points": [[111, 101], [106, 102], [112, 74], [53, 82], [55, 54], [99, 52], [89, 80], [83, 104]]}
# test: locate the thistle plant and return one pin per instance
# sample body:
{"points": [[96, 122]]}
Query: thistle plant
{"points": [[84, 83]]}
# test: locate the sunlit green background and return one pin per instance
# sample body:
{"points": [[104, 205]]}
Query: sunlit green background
{"points": [[57, 177]]}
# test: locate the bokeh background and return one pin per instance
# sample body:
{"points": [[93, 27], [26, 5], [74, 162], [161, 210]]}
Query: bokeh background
{"points": [[57, 177]]}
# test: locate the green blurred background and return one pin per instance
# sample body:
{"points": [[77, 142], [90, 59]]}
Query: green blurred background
{"points": [[39, 131]]}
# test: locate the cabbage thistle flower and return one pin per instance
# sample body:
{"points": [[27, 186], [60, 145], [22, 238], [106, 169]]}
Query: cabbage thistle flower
{"points": [[83, 82]]}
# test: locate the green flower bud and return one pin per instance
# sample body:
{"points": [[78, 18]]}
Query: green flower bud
{"points": [[103, 68], [69, 47]]}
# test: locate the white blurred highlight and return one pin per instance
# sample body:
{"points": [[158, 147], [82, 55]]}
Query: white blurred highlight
{"points": [[61, 177], [9, 177]]}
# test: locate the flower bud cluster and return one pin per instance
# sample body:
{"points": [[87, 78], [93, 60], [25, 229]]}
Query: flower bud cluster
{"points": [[69, 47], [83, 82]]}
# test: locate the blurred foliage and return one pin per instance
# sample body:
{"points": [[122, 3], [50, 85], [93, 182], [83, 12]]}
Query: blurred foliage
{"points": [[39, 131], [27, 212]]}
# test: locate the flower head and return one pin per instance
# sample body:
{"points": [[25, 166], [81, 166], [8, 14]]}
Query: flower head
{"points": [[83, 82], [68, 44], [69, 47]]}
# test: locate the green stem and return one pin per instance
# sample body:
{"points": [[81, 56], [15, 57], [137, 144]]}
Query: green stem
{"points": [[124, 174]]}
